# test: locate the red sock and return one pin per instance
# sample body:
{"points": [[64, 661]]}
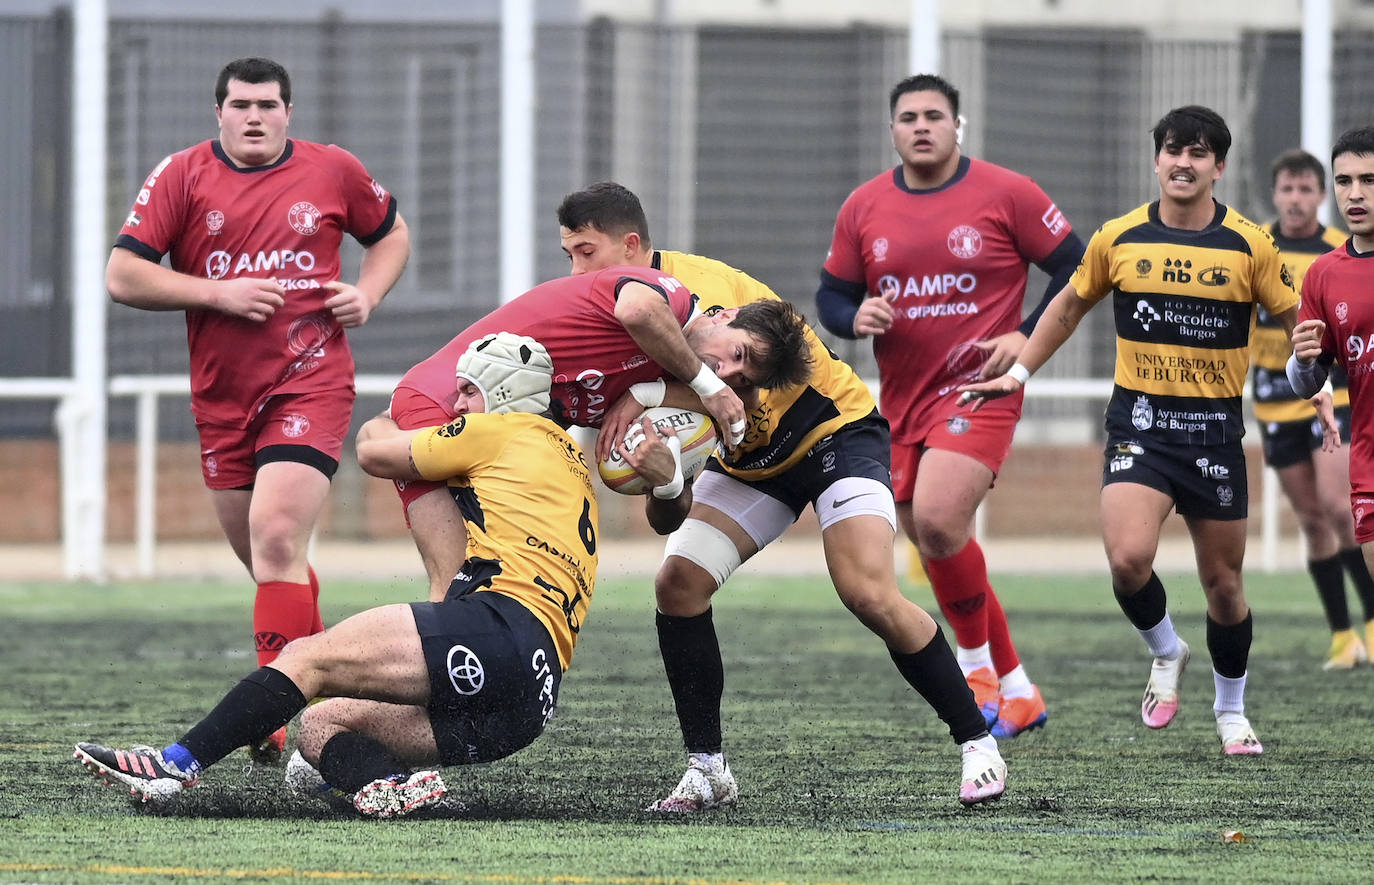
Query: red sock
{"points": [[316, 626], [282, 611], [1004, 657], [961, 588]]}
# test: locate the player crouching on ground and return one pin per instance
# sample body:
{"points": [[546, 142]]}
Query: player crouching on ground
{"points": [[412, 687]]}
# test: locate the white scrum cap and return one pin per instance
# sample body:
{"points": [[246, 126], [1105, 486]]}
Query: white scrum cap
{"points": [[514, 372]]}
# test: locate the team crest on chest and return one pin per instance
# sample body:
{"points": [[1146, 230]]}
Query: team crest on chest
{"points": [[304, 218], [964, 241], [1342, 311], [880, 249], [214, 221]]}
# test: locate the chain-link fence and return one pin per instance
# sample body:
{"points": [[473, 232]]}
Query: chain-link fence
{"points": [[741, 141]]}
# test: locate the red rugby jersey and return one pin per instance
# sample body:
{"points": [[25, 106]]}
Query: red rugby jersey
{"points": [[595, 360], [1336, 291], [283, 221], [952, 261]]}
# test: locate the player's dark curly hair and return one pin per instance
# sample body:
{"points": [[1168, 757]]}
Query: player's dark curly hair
{"points": [[923, 83], [606, 206], [253, 70], [787, 360], [1359, 141], [1193, 124]]}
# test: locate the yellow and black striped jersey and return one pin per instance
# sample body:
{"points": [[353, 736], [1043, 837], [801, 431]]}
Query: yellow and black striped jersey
{"points": [[526, 495], [1273, 396], [788, 421], [1184, 304]]}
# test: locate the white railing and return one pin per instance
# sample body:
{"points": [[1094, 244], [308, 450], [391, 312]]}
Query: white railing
{"points": [[147, 390]]}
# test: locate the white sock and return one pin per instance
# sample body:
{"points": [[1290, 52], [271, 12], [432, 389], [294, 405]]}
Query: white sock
{"points": [[1017, 684], [971, 659], [1230, 694], [1162, 640], [711, 760]]}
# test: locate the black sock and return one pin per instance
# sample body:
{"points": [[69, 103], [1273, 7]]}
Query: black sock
{"points": [[1146, 607], [262, 702], [1329, 576], [1230, 646], [936, 676], [351, 761], [1355, 566], [696, 675]]}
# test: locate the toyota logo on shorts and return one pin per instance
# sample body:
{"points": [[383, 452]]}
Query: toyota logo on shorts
{"points": [[465, 670]]}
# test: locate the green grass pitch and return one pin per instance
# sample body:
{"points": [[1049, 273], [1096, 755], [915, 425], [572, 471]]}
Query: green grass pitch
{"points": [[846, 777]]}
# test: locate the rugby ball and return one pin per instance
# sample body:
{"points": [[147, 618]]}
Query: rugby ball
{"points": [[696, 432]]}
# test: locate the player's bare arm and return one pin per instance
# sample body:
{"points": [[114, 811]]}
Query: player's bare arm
{"points": [[1000, 352], [649, 320], [382, 265], [138, 282], [1055, 327], [384, 449]]}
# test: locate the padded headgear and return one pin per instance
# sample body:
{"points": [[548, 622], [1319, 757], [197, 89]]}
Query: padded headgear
{"points": [[514, 372]]}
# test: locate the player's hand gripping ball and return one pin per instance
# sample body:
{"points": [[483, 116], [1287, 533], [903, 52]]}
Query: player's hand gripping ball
{"points": [[694, 430]]}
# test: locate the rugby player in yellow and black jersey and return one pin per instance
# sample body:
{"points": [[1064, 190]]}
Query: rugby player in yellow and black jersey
{"points": [[470, 679], [1185, 273], [1288, 422], [1274, 399], [817, 441]]}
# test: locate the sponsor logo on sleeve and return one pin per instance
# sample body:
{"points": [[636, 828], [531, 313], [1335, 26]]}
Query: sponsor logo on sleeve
{"points": [[1054, 220]]}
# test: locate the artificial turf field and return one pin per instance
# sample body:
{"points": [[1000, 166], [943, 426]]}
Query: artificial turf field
{"points": [[846, 777]]}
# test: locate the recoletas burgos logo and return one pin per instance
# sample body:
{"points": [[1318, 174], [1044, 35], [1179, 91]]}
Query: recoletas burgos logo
{"points": [[465, 671], [1144, 314], [304, 218]]}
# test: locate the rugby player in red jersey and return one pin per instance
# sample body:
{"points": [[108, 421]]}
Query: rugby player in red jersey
{"points": [[1336, 320], [605, 332], [252, 222], [930, 259], [819, 442]]}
